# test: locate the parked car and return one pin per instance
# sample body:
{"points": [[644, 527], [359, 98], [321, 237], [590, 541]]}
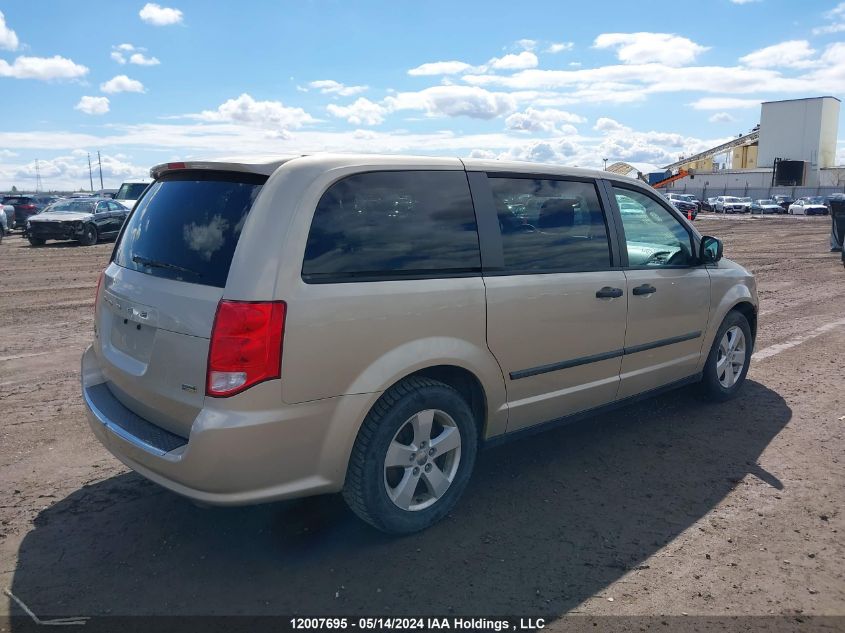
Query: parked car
{"points": [[7, 211], [784, 201], [767, 205], [748, 203], [86, 220], [687, 208], [685, 198], [24, 207], [814, 205], [130, 191], [271, 329], [709, 204], [728, 204]]}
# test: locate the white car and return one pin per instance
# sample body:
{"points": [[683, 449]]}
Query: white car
{"points": [[7, 218], [130, 191], [729, 204], [808, 206]]}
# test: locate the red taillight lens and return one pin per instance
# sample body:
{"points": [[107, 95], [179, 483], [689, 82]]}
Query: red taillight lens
{"points": [[246, 346], [27, 207], [176, 165]]}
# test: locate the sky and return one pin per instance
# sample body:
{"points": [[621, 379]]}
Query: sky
{"points": [[559, 82]]}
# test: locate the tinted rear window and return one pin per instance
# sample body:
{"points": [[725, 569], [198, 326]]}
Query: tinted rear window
{"points": [[187, 225], [393, 224], [17, 200]]}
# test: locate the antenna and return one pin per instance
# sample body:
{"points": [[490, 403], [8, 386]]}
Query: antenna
{"points": [[101, 168], [90, 175]]}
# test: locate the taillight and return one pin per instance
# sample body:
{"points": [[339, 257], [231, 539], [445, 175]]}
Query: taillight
{"points": [[246, 346], [27, 207]]}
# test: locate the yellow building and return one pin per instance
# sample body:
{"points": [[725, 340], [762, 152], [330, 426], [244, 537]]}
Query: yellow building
{"points": [[744, 156]]}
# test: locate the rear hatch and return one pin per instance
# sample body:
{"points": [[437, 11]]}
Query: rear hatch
{"points": [[159, 295]]}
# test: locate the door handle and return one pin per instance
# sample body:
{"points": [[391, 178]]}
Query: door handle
{"points": [[608, 293], [645, 289]]}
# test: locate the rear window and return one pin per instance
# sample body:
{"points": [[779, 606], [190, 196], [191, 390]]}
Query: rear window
{"points": [[393, 224], [130, 191], [187, 225], [17, 200]]}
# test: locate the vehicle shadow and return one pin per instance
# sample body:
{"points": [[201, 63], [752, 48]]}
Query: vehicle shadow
{"points": [[546, 522]]}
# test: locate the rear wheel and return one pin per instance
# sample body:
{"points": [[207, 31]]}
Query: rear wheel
{"points": [[729, 359], [412, 458], [36, 241], [89, 236]]}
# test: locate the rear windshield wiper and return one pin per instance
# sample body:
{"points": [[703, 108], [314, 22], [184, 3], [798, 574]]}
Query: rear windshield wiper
{"points": [[152, 263]]}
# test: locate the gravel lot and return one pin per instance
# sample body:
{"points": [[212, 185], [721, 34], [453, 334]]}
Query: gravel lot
{"points": [[672, 506]]}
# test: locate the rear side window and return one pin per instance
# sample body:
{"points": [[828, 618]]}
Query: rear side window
{"points": [[187, 225], [393, 224], [550, 225]]}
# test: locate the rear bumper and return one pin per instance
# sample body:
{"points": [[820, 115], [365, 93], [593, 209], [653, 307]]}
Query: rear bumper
{"points": [[232, 457]]}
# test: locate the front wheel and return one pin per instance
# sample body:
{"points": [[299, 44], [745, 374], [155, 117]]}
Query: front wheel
{"points": [[89, 235], [729, 359], [412, 458], [36, 241]]}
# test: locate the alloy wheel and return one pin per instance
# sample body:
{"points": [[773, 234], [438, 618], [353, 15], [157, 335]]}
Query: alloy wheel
{"points": [[731, 357], [422, 460]]}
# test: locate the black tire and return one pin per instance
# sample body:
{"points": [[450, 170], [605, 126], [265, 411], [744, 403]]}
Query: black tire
{"points": [[36, 241], [89, 236], [711, 388], [365, 490]]}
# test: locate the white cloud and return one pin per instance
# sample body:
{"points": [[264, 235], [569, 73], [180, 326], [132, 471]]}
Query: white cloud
{"points": [[136, 55], [157, 15], [68, 172], [264, 114], [836, 17], [721, 117], [745, 1], [43, 68], [605, 124], [520, 61], [142, 60], [469, 101], [724, 103], [790, 54], [644, 48], [526, 44], [559, 47], [361, 112], [8, 38], [440, 68], [549, 121], [121, 83], [93, 105], [330, 86]]}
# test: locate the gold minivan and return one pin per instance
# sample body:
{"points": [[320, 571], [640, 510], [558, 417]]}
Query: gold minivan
{"points": [[283, 327]]}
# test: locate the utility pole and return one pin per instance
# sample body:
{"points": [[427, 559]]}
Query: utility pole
{"points": [[101, 168], [605, 163], [90, 174], [38, 184]]}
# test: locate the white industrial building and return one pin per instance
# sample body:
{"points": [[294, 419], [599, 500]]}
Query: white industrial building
{"points": [[793, 149]]}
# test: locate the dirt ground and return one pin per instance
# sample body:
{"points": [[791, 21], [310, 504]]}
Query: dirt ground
{"points": [[670, 507]]}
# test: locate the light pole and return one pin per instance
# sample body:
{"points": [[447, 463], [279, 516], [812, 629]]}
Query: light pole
{"points": [[605, 163]]}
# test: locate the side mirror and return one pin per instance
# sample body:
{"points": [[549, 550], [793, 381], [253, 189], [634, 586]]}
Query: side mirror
{"points": [[711, 250]]}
